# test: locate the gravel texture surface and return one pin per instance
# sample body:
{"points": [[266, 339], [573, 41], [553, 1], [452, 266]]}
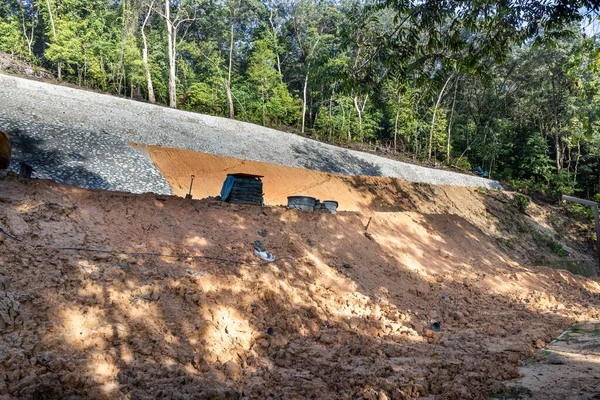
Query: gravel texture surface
{"points": [[28, 100], [81, 158]]}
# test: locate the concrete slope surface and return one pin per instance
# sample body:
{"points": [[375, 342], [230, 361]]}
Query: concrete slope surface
{"points": [[81, 158], [156, 125]]}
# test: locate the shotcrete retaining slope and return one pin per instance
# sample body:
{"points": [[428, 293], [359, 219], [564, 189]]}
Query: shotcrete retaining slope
{"points": [[81, 158], [155, 125]]}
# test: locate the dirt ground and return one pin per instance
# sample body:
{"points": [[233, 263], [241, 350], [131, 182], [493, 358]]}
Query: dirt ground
{"points": [[111, 295], [567, 368], [491, 211]]}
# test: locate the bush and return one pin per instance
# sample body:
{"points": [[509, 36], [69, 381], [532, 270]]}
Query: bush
{"points": [[556, 248], [522, 202], [462, 163], [527, 186], [561, 183]]}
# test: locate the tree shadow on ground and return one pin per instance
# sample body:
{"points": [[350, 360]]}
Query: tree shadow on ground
{"points": [[51, 163], [338, 316], [314, 156], [81, 158]]}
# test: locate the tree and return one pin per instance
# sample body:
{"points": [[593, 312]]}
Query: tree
{"points": [[151, 96], [239, 12], [184, 13]]}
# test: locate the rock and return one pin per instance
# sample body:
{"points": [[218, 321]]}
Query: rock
{"points": [[283, 359], [312, 326], [17, 225], [279, 342], [382, 396], [124, 266], [444, 253], [10, 314], [372, 331], [354, 322], [555, 359], [431, 336], [4, 282], [417, 326], [69, 379], [232, 370]]}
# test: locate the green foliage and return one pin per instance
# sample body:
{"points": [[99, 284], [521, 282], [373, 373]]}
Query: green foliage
{"points": [[535, 159], [522, 202], [283, 109], [556, 248], [11, 37], [205, 98], [67, 47], [462, 163], [562, 183]]}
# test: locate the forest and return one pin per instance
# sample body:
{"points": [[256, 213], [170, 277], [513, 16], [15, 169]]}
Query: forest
{"points": [[511, 87]]}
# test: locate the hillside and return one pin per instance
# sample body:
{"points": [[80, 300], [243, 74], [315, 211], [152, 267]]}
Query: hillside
{"points": [[77, 127], [111, 295]]}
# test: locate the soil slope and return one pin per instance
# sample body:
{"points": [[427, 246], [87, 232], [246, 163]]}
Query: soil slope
{"points": [[338, 315]]}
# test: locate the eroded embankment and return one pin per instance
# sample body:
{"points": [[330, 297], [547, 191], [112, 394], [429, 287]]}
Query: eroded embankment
{"points": [[338, 315]]}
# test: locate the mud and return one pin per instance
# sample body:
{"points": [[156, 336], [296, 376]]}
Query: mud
{"points": [[112, 295]]}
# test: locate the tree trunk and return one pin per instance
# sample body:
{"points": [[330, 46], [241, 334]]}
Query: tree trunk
{"points": [[263, 107], [304, 98], [151, 96], [577, 161], [51, 19], [359, 111], [556, 128], [171, 50], [59, 63], [330, 127], [396, 126], [27, 38], [275, 42], [557, 148], [228, 83], [450, 124], [437, 105]]}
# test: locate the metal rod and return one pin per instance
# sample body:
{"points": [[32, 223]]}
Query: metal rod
{"points": [[368, 223], [580, 201], [189, 195], [191, 183]]}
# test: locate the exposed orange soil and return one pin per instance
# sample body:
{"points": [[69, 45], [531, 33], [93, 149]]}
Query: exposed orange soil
{"points": [[352, 193], [349, 316], [367, 194]]}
